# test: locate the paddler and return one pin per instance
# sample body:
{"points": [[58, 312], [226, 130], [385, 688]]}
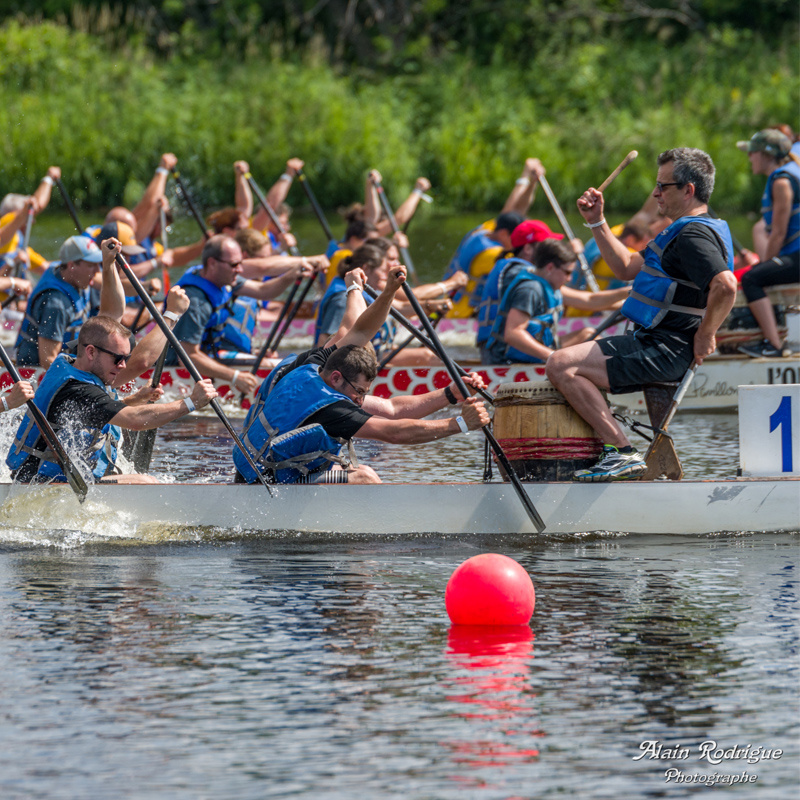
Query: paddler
{"points": [[78, 397], [683, 289], [769, 152], [532, 302], [319, 401], [214, 336]]}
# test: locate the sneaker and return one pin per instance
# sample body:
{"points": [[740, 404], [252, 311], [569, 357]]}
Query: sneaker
{"points": [[613, 466], [763, 349]]}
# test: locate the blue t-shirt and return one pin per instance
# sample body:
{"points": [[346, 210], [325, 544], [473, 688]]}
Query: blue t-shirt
{"points": [[54, 311]]}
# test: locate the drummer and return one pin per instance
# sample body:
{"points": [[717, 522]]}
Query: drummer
{"points": [[320, 400]]}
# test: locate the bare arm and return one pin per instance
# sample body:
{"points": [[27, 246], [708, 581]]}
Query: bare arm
{"points": [[624, 264], [721, 296], [149, 416], [370, 321], [408, 207], [244, 197], [43, 190], [524, 189], [594, 301], [417, 431], [516, 335], [147, 209], [10, 228], [781, 211], [269, 290], [355, 306], [112, 295], [372, 205], [48, 351]]}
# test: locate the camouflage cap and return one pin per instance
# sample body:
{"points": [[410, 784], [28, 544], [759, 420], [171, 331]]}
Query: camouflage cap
{"points": [[769, 141]]}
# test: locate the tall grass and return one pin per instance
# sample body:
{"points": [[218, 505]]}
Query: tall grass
{"points": [[106, 113]]}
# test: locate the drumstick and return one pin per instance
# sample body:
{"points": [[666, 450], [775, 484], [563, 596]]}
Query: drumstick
{"points": [[627, 160]]}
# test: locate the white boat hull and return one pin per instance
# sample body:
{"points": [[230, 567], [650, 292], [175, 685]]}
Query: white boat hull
{"points": [[687, 507]]}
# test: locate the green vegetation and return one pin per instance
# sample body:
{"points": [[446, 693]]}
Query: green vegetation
{"points": [[104, 95]]}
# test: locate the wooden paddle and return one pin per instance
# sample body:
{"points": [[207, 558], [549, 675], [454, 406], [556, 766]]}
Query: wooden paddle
{"points": [[187, 362], [661, 457], [387, 209], [424, 340], [74, 478], [624, 163], [588, 275], [530, 509], [315, 205], [140, 452], [187, 198], [68, 203]]}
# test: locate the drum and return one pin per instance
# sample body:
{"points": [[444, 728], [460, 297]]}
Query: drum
{"points": [[543, 437]]}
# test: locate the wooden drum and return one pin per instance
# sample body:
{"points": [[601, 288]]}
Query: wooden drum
{"points": [[543, 437]]}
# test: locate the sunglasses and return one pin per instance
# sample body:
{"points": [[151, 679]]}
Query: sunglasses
{"points": [[660, 186], [118, 357]]}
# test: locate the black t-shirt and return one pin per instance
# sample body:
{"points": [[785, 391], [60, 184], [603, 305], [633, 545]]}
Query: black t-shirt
{"points": [[77, 406], [342, 419], [697, 254]]}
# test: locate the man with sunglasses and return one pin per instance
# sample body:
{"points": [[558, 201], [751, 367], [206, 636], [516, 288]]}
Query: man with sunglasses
{"points": [[683, 289], [78, 398], [211, 325]]}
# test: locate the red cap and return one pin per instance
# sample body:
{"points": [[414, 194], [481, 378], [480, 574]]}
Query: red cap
{"points": [[532, 230]]}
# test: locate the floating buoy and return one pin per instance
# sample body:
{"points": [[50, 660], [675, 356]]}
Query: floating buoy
{"points": [[490, 589]]}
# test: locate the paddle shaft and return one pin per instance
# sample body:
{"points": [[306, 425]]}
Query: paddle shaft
{"points": [[186, 361], [26, 237], [612, 177], [276, 325], [68, 203], [295, 308], [142, 448], [256, 189], [424, 340], [387, 209], [530, 509], [612, 319], [187, 198], [678, 396], [591, 281], [315, 205], [74, 478]]}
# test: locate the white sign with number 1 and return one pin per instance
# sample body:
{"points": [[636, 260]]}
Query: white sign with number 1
{"points": [[769, 430]]}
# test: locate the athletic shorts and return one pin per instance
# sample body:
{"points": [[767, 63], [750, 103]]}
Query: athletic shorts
{"points": [[776, 271], [641, 356]]}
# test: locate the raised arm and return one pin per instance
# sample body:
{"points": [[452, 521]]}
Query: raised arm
{"points": [[244, 197], [112, 293], [370, 321], [524, 189], [147, 209], [43, 190]]}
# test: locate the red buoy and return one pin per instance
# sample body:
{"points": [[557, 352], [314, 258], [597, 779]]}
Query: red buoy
{"points": [[490, 589]]}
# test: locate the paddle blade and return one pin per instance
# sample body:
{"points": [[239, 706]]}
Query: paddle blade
{"points": [[662, 460]]}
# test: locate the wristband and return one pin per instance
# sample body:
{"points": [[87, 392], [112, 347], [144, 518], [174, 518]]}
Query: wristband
{"points": [[287, 177], [190, 406], [153, 263], [523, 181], [351, 288], [451, 398], [461, 424], [13, 286], [4, 402], [48, 180], [598, 224], [171, 315], [162, 171], [236, 374], [442, 289]]}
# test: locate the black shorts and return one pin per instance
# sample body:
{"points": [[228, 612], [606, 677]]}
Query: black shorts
{"points": [[776, 271], [642, 356]]}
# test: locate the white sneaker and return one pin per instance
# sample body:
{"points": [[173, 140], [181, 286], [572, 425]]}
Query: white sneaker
{"points": [[613, 466]]}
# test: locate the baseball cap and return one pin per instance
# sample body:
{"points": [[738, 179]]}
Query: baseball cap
{"points": [[532, 230], [80, 248], [508, 221], [769, 141], [125, 234]]}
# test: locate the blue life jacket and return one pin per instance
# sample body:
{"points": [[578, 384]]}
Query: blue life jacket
{"points": [[653, 290], [232, 323], [337, 286], [791, 244], [332, 247], [97, 448], [81, 303], [503, 271], [541, 326], [265, 388], [282, 446]]}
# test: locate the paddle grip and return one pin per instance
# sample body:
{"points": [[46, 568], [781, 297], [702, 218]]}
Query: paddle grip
{"points": [[612, 177]]}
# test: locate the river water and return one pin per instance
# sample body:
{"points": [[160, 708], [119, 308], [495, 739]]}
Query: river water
{"points": [[295, 666]]}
